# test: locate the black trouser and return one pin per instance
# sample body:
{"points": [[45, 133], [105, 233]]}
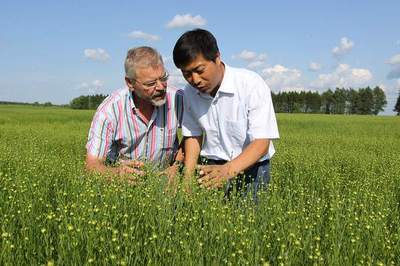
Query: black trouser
{"points": [[254, 179]]}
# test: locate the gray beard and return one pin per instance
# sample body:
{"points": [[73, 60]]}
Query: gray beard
{"points": [[159, 102], [154, 102]]}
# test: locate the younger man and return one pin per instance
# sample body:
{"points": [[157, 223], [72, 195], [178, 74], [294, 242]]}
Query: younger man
{"points": [[233, 108]]}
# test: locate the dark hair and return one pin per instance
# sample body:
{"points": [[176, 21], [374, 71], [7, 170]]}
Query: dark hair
{"points": [[193, 43]]}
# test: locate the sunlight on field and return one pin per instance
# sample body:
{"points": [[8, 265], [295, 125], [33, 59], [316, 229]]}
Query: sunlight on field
{"points": [[334, 199]]}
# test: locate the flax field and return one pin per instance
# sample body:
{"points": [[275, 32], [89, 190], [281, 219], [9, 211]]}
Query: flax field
{"points": [[334, 199]]}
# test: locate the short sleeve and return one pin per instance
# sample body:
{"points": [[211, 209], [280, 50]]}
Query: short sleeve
{"points": [[100, 136], [190, 125], [261, 114]]}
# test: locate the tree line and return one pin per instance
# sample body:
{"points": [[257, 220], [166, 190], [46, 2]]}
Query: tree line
{"points": [[45, 104], [87, 101], [340, 101]]}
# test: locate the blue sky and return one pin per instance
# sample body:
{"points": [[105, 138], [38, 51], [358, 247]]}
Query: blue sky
{"points": [[57, 50]]}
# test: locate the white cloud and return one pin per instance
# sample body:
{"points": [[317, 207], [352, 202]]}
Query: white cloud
{"points": [[394, 60], [360, 75], [391, 89], [383, 87], [344, 47], [137, 34], [91, 87], [176, 79], [98, 83], [256, 64], [394, 73], [254, 59], [262, 57], [246, 55], [279, 77], [250, 56], [313, 66], [341, 68], [343, 77], [98, 54], [167, 59], [187, 20]]}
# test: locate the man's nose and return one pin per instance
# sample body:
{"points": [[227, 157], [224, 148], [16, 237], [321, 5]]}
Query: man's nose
{"points": [[160, 85], [196, 79]]}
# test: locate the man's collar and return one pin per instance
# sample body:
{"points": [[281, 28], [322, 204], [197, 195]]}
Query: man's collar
{"points": [[131, 95], [227, 84]]}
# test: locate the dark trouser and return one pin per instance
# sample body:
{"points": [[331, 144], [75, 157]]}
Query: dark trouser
{"points": [[254, 179]]}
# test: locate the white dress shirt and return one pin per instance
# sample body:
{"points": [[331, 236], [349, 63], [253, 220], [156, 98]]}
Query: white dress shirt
{"points": [[240, 112]]}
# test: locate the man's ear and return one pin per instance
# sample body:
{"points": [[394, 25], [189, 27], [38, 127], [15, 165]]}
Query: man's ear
{"points": [[218, 58], [129, 83]]}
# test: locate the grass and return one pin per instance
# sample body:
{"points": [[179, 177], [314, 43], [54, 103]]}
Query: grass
{"points": [[334, 199]]}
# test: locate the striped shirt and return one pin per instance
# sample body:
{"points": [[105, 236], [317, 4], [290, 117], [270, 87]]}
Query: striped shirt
{"points": [[119, 132]]}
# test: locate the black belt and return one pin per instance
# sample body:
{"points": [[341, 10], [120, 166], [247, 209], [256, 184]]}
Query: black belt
{"points": [[204, 160]]}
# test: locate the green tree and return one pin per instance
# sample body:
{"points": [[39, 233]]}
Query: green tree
{"points": [[328, 102], [312, 102], [397, 106], [339, 97], [365, 101], [353, 101], [87, 101], [379, 100]]}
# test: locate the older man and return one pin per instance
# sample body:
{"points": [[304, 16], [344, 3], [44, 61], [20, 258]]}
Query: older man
{"points": [[137, 123]]}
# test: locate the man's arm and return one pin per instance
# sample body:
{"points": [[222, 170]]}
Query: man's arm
{"points": [[217, 175], [250, 155], [192, 152], [172, 171], [127, 169], [179, 157]]}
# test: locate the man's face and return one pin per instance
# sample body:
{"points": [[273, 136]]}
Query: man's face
{"points": [[204, 75], [150, 84]]}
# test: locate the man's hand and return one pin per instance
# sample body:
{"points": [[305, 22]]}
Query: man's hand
{"points": [[173, 180], [125, 170], [129, 171], [214, 176], [130, 167]]}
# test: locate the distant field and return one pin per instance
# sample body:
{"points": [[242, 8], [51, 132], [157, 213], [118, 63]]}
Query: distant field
{"points": [[334, 199]]}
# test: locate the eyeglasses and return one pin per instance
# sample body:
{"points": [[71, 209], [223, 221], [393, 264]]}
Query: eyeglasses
{"points": [[153, 84]]}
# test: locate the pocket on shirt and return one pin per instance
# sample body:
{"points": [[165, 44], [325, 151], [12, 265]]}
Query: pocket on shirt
{"points": [[236, 131]]}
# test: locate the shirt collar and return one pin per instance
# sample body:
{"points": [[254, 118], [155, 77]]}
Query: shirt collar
{"points": [[130, 96], [227, 84]]}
